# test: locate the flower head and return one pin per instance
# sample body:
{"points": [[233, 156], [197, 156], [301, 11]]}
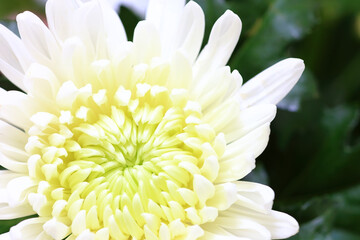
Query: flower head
{"points": [[142, 139]]}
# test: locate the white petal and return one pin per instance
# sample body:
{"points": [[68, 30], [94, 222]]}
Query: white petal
{"points": [[114, 28], [180, 28], [14, 58], [180, 72], [102, 234], [254, 195], [280, 225], [5, 236], [12, 137], [59, 16], [56, 229], [18, 188], [254, 142], [43, 236], [223, 39], [220, 116], [272, 85], [225, 195], [79, 223], [236, 168], [6, 176], [76, 61], [16, 108], [24, 210], [239, 157], [67, 95], [159, 10], [17, 154], [247, 120], [203, 188], [165, 15], [195, 231], [190, 33], [146, 42], [86, 235], [90, 28], [13, 164], [235, 228], [28, 229], [38, 39], [215, 87], [41, 82]]}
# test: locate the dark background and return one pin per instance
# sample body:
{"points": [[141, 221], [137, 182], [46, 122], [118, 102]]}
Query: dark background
{"points": [[313, 158]]}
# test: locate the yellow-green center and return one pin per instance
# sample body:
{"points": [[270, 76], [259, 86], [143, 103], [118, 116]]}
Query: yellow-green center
{"points": [[130, 161]]}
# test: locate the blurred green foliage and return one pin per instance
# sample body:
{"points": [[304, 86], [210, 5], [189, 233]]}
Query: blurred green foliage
{"points": [[9, 9], [313, 158]]}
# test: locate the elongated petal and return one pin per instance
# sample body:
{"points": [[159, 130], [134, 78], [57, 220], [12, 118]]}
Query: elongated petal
{"points": [[279, 225], [5, 236], [146, 42], [247, 120], [7, 212], [13, 164], [6, 176], [56, 229], [272, 85], [223, 39], [251, 217], [116, 35], [180, 28], [14, 58], [38, 39], [12, 136], [235, 229], [59, 15], [190, 32], [17, 108], [164, 14], [42, 82], [215, 88], [254, 196], [29, 229], [180, 72], [18, 188], [239, 157]]}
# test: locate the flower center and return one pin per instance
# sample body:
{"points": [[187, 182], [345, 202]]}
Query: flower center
{"points": [[130, 161]]}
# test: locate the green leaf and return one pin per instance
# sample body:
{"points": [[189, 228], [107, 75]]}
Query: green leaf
{"points": [[285, 22], [338, 234], [346, 87], [332, 157], [330, 216], [251, 13], [334, 9], [8, 8], [315, 229]]}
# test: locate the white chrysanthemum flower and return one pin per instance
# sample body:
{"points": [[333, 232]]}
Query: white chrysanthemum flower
{"points": [[146, 139]]}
